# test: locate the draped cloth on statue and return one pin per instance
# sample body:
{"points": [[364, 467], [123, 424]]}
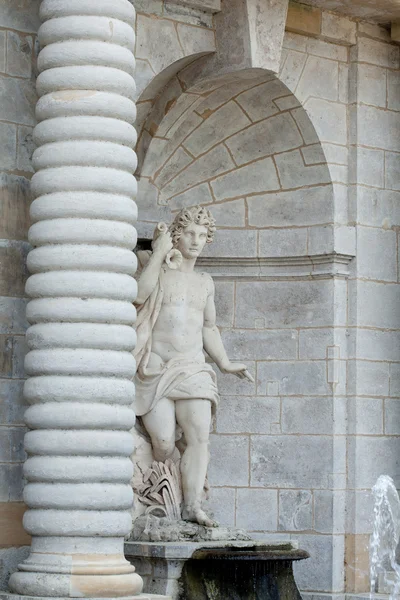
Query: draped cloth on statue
{"points": [[178, 379]]}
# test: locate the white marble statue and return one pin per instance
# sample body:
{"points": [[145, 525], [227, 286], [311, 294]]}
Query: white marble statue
{"points": [[176, 323]]}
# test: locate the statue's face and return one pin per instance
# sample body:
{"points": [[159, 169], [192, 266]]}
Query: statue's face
{"points": [[192, 240]]}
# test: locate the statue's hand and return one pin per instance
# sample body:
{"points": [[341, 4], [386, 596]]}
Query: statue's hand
{"points": [[162, 244], [238, 369]]}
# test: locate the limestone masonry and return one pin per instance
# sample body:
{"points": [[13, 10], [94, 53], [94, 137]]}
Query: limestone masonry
{"points": [[281, 118]]}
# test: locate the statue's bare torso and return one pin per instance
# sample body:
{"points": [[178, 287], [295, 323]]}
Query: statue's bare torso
{"points": [[178, 331]]}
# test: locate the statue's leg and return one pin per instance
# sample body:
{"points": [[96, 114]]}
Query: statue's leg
{"points": [[160, 424], [194, 416]]}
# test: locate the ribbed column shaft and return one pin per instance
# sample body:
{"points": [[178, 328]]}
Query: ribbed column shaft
{"points": [[81, 314]]}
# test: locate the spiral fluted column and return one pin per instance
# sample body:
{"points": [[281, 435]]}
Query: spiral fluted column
{"points": [[81, 314]]}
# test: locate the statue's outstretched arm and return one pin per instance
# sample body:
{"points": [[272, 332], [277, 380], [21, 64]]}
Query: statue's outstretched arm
{"points": [[213, 344], [151, 272]]}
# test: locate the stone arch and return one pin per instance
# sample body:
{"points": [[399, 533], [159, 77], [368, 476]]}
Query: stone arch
{"points": [[244, 145]]}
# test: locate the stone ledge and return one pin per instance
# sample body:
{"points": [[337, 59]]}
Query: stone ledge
{"points": [[9, 596], [209, 6], [303, 267], [185, 550]]}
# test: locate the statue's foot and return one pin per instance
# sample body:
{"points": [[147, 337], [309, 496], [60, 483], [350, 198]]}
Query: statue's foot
{"points": [[197, 515]]}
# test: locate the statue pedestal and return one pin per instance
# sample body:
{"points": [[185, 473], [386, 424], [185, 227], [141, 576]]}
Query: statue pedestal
{"points": [[237, 570]]}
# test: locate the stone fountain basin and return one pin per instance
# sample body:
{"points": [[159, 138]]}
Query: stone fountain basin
{"points": [[220, 570]]}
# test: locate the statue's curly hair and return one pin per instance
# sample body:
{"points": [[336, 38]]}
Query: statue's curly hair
{"points": [[196, 214]]}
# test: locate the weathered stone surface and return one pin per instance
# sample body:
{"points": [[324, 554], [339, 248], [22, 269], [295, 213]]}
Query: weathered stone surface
{"points": [[284, 303], [376, 53], [343, 83], [272, 463], [24, 16], [306, 127], [176, 10], [20, 349], [304, 19], [3, 46], [223, 123], [295, 510], [318, 47], [276, 134], [235, 386], [283, 242], [392, 170], [8, 146], [372, 377], [13, 272], [377, 345], [230, 214], [200, 194], [292, 69], [378, 305], [157, 42], [256, 177], [9, 559], [307, 415], [257, 510], [394, 379], [371, 85], [376, 254], [212, 6], [224, 302], [147, 198], [379, 208], [244, 414], [12, 404], [258, 101], [19, 54], [242, 344], [325, 568], [314, 343], [210, 165], [363, 472], [374, 31], [370, 167], [17, 100], [365, 416], [222, 505], [229, 464], [299, 207], [314, 154], [11, 483], [294, 41], [393, 88], [144, 74], [392, 416], [360, 511], [320, 78], [178, 161], [294, 174], [153, 7], [307, 378], [25, 148], [196, 40], [337, 28], [329, 120], [378, 128], [241, 243]]}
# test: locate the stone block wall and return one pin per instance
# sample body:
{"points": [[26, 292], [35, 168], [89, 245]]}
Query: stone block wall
{"points": [[302, 173], [374, 290], [18, 26], [292, 455]]}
